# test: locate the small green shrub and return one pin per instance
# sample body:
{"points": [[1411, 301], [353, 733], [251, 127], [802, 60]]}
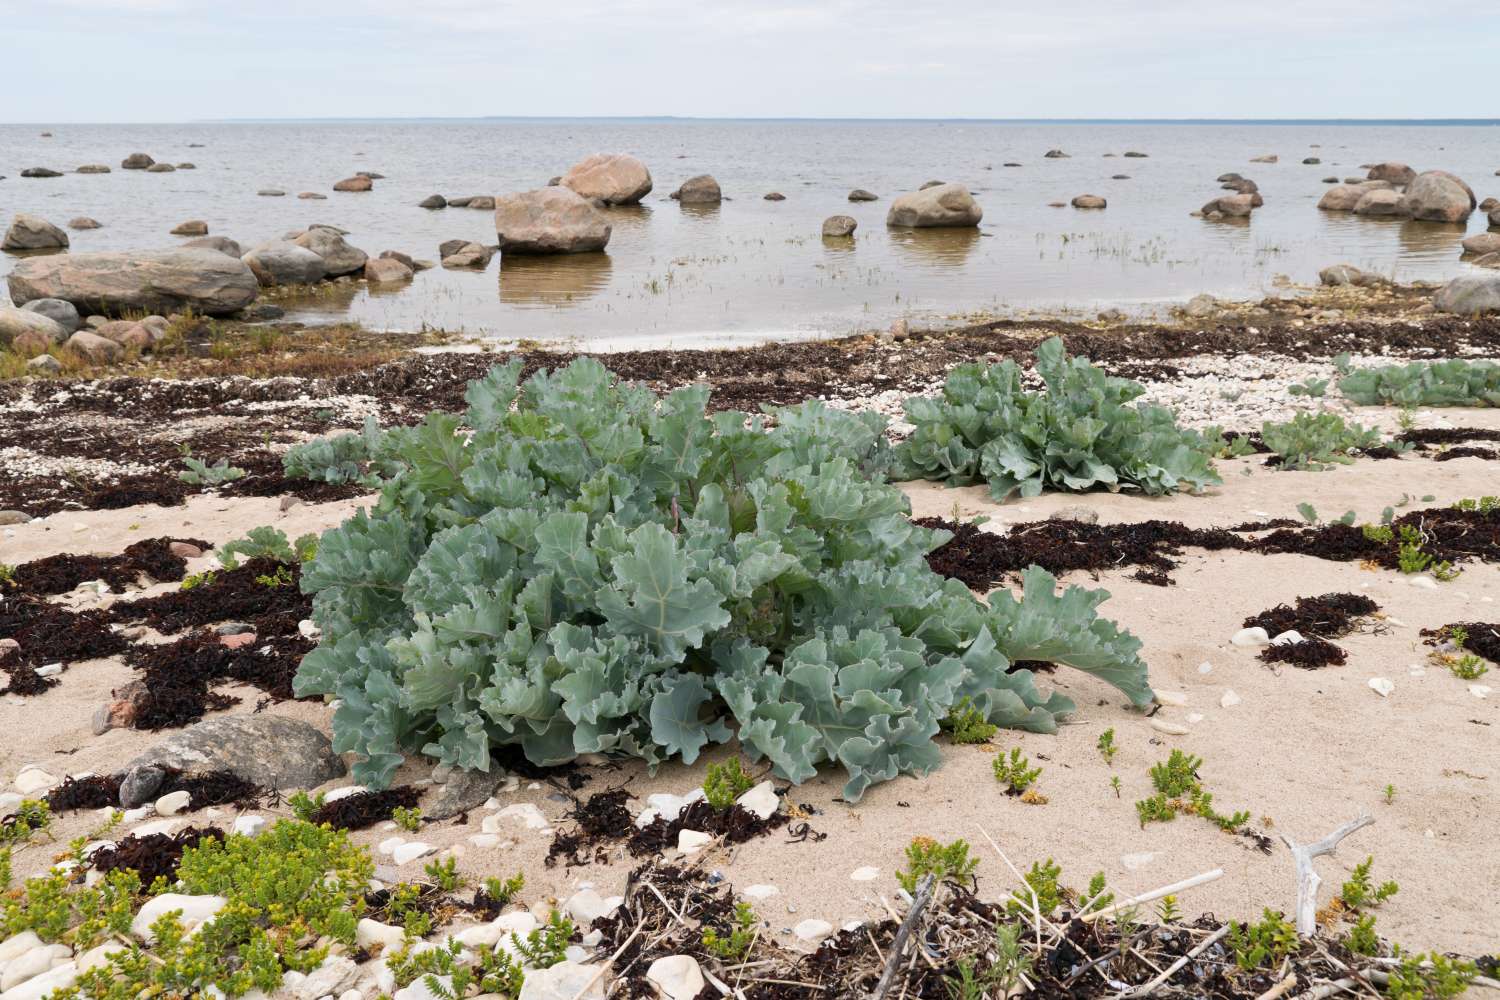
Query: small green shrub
{"points": [[1015, 772], [725, 783], [501, 892], [925, 856], [1360, 890], [1178, 789], [735, 945], [1106, 746], [1361, 938], [30, 816], [408, 819], [266, 542], [1084, 432], [1425, 977], [966, 724], [1263, 944]]}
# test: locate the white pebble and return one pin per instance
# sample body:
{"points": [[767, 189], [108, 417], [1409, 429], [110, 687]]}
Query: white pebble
{"points": [[1425, 582], [33, 779], [1382, 686], [407, 853], [1288, 638], [248, 825], [761, 891], [812, 931], [1176, 698], [865, 874], [692, 841], [1254, 636], [173, 803], [1205, 667], [1170, 728], [1479, 690], [1229, 699]]}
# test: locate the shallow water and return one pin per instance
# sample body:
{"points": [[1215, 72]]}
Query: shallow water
{"points": [[752, 269]]}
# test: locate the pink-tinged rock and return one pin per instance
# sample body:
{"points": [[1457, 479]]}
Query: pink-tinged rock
{"points": [[355, 183], [611, 178], [239, 641], [184, 550]]}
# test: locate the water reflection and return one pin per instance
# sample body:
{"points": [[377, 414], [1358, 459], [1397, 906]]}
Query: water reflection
{"points": [[326, 297], [628, 218], [1430, 239], [558, 280], [939, 247]]}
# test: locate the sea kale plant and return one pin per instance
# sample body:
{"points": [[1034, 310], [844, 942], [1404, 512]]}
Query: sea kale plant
{"points": [[1425, 383], [575, 565], [1082, 433]]}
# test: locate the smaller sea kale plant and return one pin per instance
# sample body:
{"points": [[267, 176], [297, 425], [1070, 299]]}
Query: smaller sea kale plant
{"points": [[1083, 432]]}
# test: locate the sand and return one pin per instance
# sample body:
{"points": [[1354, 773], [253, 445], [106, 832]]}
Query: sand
{"points": [[1303, 751]]}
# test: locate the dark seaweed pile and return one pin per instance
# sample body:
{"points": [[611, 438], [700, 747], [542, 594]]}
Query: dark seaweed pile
{"points": [[1309, 654], [48, 633], [178, 676], [153, 856], [1466, 451], [59, 574], [983, 559], [1328, 615], [365, 809], [1446, 435], [231, 595], [734, 825], [98, 791], [211, 788], [603, 818], [1482, 639]]}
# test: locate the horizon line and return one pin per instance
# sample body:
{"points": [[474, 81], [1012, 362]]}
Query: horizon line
{"points": [[412, 119]]}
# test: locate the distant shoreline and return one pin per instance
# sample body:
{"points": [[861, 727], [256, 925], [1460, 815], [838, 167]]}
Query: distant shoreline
{"points": [[685, 119]]}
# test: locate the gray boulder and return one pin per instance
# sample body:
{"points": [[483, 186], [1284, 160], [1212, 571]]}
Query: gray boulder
{"points": [[1380, 202], [58, 311], [1469, 295], [839, 226], [1481, 244], [30, 330], [83, 222], [1089, 201], [1495, 219], [609, 178], [1055, 154], [463, 202], [222, 244], [482, 202], [1396, 173], [136, 161], [433, 201], [463, 791], [860, 194], [193, 227], [549, 220], [386, 271], [465, 255], [1231, 206], [94, 348], [282, 262], [92, 168], [265, 750], [153, 281], [28, 232], [1346, 274], [338, 256], [948, 205], [700, 190], [1438, 196], [40, 172], [773, 196]]}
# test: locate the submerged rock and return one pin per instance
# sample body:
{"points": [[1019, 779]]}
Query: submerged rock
{"points": [[860, 194], [549, 220], [609, 178], [355, 184], [136, 161], [222, 244], [193, 227], [700, 190], [1396, 173], [839, 226], [1089, 201], [948, 205], [1380, 202], [282, 262], [30, 232], [1438, 196], [83, 222], [433, 201]]}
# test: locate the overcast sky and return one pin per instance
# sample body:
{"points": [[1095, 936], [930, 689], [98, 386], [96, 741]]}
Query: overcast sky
{"points": [[173, 60]]}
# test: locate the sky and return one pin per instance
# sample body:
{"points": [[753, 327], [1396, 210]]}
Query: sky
{"points": [[180, 60]]}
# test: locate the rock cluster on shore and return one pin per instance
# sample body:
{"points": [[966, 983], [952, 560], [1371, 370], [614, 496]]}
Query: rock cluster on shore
{"points": [[1396, 190], [152, 281], [549, 220]]}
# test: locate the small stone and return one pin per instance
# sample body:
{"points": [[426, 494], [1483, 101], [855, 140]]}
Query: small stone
{"points": [[1425, 582], [1229, 699], [389, 844], [760, 800], [524, 813], [812, 931], [8, 517], [586, 906], [761, 891], [233, 628], [1077, 512], [1169, 728], [865, 874], [372, 933], [184, 550], [336, 974], [692, 841], [49, 670], [195, 911], [407, 853], [676, 977], [238, 641], [1135, 862], [1382, 686], [248, 825], [173, 803], [1288, 638], [1479, 690], [1253, 636], [1205, 667], [564, 981], [33, 779], [1175, 698]]}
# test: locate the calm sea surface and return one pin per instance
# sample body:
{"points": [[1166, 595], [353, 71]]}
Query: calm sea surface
{"points": [[753, 269]]}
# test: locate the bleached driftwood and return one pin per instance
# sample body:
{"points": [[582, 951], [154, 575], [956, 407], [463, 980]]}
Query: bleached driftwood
{"points": [[1308, 879]]}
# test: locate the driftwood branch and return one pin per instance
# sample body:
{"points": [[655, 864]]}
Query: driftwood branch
{"points": [[1171, 970], [1154, 894], [1308, 879], [918, 903]]}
